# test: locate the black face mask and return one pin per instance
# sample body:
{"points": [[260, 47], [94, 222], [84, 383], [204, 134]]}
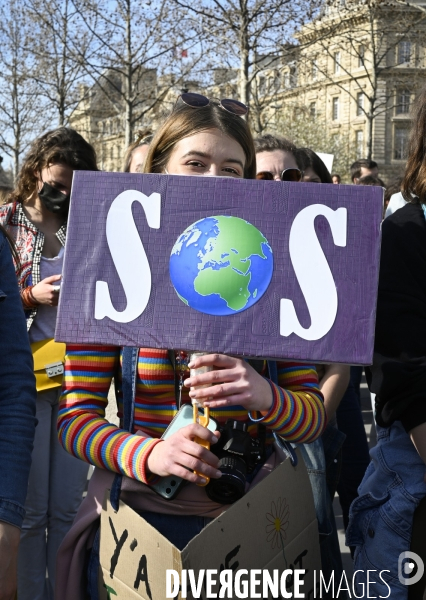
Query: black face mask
{"points": [[54, 200]]}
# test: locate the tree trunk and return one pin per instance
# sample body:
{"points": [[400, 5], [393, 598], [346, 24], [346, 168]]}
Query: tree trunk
{"points": [[16, 118], [128, 79], [62, 82], [244, 56]]}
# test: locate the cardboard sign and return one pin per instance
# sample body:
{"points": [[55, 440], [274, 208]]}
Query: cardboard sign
{"points": [[256, 268], [273, 527]]}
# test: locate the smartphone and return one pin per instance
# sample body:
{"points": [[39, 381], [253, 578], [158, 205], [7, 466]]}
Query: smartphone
{"points": [[169, 486]]}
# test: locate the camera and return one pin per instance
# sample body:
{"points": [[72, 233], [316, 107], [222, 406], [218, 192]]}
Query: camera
{"points": [[238, 455]]}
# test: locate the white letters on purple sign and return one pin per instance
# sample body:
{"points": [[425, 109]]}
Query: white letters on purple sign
{"points": [[313, 272], [120, 227]]}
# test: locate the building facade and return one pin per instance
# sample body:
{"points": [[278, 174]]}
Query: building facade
{"points": [[351, 80], [357, 70], [100, 116]]}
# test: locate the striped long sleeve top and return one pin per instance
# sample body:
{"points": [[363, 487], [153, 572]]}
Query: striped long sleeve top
{"points": [[297, 412]]}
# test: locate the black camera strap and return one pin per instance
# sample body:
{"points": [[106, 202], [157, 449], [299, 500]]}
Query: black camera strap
{"points": [[178, 395]]}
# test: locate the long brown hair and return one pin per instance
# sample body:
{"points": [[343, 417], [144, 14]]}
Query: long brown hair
{"points": [[414, 183], [62, 145], [185, 121], [12, 246]]}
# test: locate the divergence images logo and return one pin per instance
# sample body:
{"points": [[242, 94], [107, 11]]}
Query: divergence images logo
{"points": [[410, 568], [221, 265]]}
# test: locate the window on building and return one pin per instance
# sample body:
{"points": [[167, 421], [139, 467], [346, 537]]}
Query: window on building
{"points": [[359, 143], [111, 153], [360, 104], [286, 79], [361, 55], [402, 102], [336, 61], [404, 52], [262, 84], [335, 109], [293, 77], [313, 110], [400, 143], [314, 72], [277, 82]]}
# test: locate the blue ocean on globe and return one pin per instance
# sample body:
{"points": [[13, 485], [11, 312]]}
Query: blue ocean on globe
{"points": [[221, 265]]}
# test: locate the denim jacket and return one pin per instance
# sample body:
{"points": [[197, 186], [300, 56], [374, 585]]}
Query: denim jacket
{"points": [[381, 518], [29, 243], [17, 395]]}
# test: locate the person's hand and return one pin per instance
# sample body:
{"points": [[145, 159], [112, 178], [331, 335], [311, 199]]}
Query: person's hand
{"points": [[233, 383], [45, 292], [9, 542], [179, 452]]}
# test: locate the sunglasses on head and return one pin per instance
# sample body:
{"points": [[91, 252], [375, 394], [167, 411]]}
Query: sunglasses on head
{"points": [[286, 175], [199, 101]]}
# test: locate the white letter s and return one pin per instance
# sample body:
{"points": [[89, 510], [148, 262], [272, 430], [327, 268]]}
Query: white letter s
{"points": [[313, 272], [120, 226]]}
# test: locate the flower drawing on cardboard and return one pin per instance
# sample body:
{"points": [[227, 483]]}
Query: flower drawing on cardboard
{"points": [[277, 523]]}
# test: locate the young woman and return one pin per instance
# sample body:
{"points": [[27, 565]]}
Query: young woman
{"points": [[394, 483], [340, 399], [17, 418], [312, 167], [199, 138], [136, 153], [280, 158], [36, 220]]}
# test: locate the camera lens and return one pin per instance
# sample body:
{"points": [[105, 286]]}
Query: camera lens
{"points": [[231, 486]]}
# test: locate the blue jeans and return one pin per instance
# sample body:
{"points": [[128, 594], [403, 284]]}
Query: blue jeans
{"points": [[315, 460], [381, 517], [55, 491], [355, 457], [17, 395]]}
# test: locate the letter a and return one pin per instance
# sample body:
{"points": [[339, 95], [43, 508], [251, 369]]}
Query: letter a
{"points": [[313, 272], [127, 251]]}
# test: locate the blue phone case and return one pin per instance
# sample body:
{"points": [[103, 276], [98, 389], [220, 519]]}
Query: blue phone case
{"points": [[169, 486]]}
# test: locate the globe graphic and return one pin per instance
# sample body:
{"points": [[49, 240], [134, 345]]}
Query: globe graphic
{"points": [[221, 265]]}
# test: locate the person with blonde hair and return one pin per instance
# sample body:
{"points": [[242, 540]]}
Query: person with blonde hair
{"points": [[200, 138], [136, 153]]}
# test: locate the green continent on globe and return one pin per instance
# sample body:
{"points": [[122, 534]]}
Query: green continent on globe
{"points": [[224, 268], [220, 282]]}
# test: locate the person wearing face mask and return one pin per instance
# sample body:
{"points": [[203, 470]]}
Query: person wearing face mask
{"points": [[35, 218], [199, 138]]}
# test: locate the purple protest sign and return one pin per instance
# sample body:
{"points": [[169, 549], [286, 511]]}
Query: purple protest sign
{"points": [[254, 268]]}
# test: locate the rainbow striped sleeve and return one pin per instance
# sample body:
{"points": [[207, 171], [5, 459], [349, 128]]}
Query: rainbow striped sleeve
{"points": [[82, 428], [297, 412]]}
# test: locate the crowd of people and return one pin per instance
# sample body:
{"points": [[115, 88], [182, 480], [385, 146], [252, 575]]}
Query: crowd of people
{"points": [[49, 535]]}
